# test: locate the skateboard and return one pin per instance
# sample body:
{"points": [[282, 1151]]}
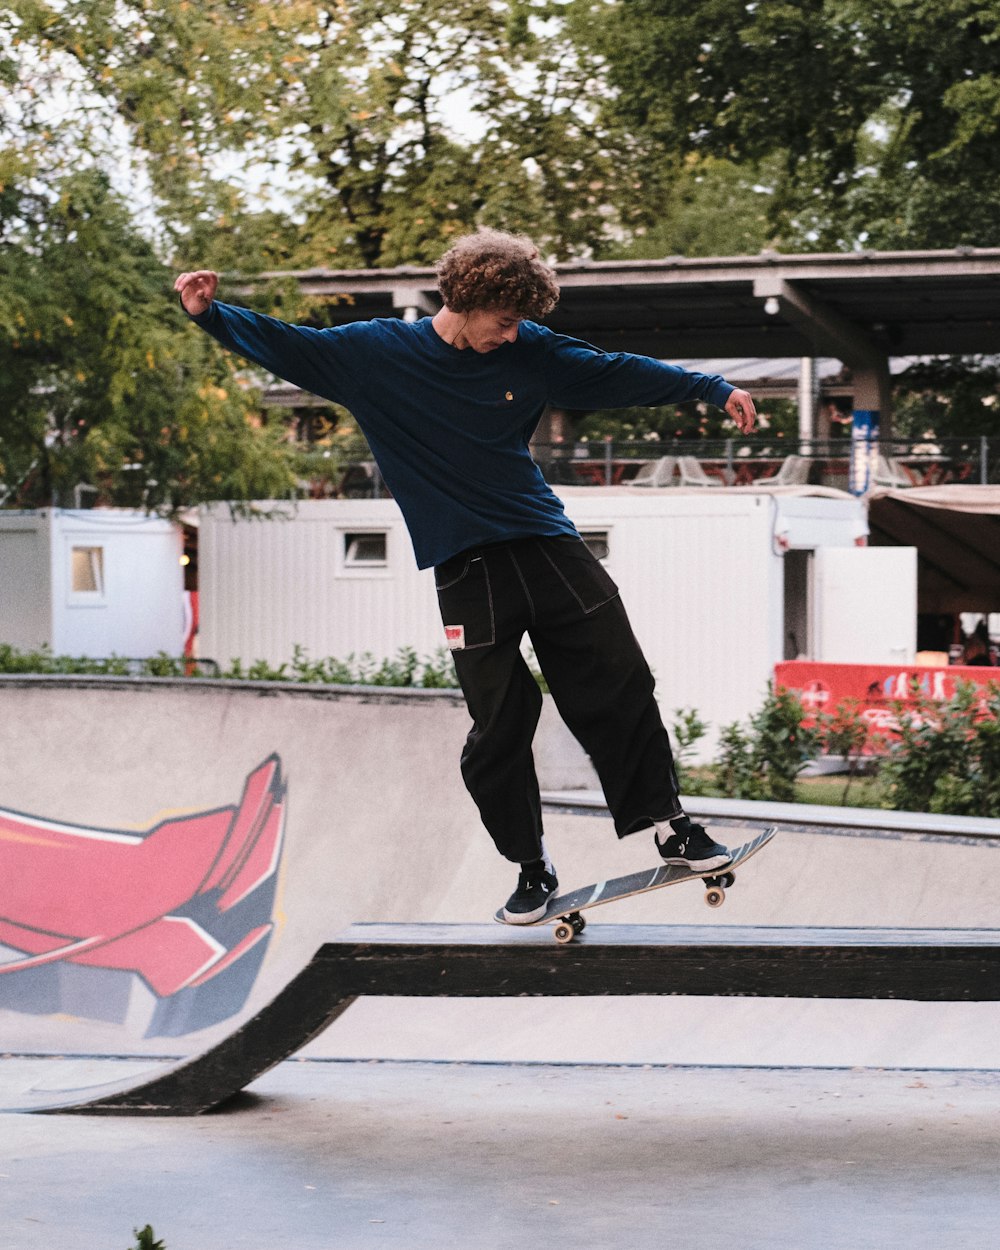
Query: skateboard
{"points": [[564, 910]]}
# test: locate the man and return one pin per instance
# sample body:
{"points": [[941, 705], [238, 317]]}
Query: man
{"points": [[448, 404]]}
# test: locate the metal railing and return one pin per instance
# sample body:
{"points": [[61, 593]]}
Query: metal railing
{"points": [[972, 460], [746, 460]]}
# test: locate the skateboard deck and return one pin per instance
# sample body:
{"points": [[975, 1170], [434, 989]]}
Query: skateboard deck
{"points": [[564, 910]]}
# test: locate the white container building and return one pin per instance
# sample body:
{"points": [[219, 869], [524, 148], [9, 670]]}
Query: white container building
{"points": [[720, 585], [96, 582]]}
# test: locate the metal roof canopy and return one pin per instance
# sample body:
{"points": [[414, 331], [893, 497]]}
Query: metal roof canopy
{"points": [[956, 530], [859, 307]]}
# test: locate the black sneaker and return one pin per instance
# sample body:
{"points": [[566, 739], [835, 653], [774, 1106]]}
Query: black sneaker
{"points": [[535, 886], [694, 848]]}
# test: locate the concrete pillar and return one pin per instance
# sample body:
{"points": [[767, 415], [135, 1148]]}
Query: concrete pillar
{"points": [[808, 396], [872, 422]]}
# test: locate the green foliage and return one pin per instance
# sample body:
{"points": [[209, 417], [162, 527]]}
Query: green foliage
{"points": [[872, 122], [947, 397], [280, 136], [736, 773], [778, 419], [948, 757], [102, 381], [533, 667], [688, 730], [43, 661], [146, 1239], [373, 133], [762, 759], [703, 206], [406, 669], [846, 733], [258, 137]]}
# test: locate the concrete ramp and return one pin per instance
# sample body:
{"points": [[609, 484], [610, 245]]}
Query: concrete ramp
{"points": [[173, 854]]}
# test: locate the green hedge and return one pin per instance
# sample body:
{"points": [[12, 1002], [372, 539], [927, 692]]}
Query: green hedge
{"points": [[407, 669]]}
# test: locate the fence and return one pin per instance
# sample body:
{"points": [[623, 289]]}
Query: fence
{"points": [[744, 461], [732, 461]]}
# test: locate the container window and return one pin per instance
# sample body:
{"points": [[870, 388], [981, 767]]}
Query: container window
{"points": [[87, 570], [369, 550], [598, 541]]}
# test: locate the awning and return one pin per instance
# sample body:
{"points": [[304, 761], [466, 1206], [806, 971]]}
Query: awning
{"points": [[956, 530]]}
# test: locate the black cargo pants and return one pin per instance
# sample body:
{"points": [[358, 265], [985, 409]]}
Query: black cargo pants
{"points": [[558, 593]]}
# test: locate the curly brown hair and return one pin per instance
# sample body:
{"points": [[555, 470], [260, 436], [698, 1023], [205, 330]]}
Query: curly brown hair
{"points": [[491, 269]]}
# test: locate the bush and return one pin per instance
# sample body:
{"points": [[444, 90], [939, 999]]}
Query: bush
{"points": [[408, 669], [762, 759], [948, 756], [145, 1239], [846, 733], [946, 760], [688, 730]]}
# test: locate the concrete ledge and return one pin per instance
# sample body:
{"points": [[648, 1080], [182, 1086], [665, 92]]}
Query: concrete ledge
{"points": [[799, 817], [929, 965], [313, 690]]}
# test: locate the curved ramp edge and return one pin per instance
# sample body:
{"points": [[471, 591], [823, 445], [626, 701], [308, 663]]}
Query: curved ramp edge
{"points": [[303, 1009]]}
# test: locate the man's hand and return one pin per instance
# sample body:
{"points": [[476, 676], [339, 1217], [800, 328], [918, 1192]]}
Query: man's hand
{"points": [[197, 290], [741, 408]]}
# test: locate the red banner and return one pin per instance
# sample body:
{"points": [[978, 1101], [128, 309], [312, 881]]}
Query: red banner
{"points": [[875, 687]]}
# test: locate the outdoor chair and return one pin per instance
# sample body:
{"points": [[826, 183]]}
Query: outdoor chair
{"points": [[656, 473], [693, 474], [793, 471], [889, 472]]}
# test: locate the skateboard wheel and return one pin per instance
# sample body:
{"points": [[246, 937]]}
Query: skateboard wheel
{"points": [[715, 896], [578, 922], [565, 931]]}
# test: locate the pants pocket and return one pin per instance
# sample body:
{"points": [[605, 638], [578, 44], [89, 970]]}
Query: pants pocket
{"points": [[579, 570], [465, 598]]}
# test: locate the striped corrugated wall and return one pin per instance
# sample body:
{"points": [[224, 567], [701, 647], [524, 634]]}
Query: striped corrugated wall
{"points": [[267, 586], [698, 574]]}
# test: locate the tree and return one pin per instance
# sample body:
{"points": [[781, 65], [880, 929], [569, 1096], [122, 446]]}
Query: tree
{"points": [[102, 382], [948, 397], [707, 207], [372, 133], [243, 136], [878, 121]]}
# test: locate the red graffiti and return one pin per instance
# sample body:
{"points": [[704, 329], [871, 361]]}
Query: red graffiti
{"points": [[165, 904]]}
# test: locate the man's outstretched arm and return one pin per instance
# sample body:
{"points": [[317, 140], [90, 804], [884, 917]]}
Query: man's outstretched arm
{"points": [[320, 361], [582, 376]]}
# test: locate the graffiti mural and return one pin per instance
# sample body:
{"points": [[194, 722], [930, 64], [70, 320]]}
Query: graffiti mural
{"points": [[165, 930]]}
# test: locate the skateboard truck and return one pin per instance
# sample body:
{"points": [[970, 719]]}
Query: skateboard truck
{"points": [[716, 887], [569, 926]]}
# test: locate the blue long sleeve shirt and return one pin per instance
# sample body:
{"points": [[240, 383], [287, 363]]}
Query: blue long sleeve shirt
{"points": [[450, 427]]}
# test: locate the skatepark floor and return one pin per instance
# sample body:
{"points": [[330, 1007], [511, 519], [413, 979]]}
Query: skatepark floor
{"points": [[477, 1124], [350, 1155]]}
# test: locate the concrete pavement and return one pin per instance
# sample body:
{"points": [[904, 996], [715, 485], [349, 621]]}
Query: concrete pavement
{"points": [[363, 1156]]}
